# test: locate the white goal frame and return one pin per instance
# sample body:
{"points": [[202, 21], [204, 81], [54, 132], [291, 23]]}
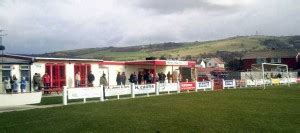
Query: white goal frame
{"points": [[284, 65]]}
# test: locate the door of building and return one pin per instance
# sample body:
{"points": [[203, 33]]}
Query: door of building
{"points": [[57, 73], [84, 69]]}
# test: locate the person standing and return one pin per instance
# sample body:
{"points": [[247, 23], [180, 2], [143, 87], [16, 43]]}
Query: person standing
{"points": [[15, 84], [103, 81], [40, 82], [7, 85], [169, 77], [35, 82], [163, 77], [77, 79], [119, 80], [46, 80], [123, 78], [140, 78], [91, 79], [135, 78], [23, 85]]}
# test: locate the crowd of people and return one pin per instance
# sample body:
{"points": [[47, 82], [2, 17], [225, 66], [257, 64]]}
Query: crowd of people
{"points": [[40, 83], [149, 77]]}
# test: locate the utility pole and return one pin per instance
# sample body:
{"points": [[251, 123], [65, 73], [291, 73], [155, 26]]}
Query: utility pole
{"points": [[2, 47]]}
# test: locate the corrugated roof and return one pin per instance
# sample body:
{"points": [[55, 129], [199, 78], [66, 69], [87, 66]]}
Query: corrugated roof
{"points": [[287, 53], [49, 58]]}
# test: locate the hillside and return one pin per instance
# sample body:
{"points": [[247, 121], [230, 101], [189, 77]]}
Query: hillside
{"points": [[238, 44]]}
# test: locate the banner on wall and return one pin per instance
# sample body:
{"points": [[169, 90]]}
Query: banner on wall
{"points": [[187, 86], [144, 89], [80, 93], [229, 83], [165, 87], [204, 85], [117, 90]]}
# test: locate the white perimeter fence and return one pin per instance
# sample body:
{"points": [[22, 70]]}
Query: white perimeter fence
{"points": [[161, 88]]}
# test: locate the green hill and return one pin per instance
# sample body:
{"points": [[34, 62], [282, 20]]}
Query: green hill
{"points": [[172, 50]]}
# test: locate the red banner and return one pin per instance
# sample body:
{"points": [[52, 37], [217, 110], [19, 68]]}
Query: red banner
{"points": [[184, 86]]}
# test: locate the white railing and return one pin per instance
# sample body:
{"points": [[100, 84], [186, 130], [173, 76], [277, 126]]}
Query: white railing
{"points": [[82, 93]]}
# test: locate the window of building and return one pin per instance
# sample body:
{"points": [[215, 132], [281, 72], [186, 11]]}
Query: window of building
{"points": [[6, 72], [25, 72], [276, 60], [260, 61]]}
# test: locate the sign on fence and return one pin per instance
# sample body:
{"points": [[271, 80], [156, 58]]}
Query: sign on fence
{"points": [[82, 93], [229, 84], [117, 90], [184, 86], [144, 89], [206, 85], [167, 87], [250, 82]]}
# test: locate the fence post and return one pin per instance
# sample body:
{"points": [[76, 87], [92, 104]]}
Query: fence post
{"points": [[212, 85], [196, 90], [132, 90], [223, 83], [102, 89], [157, 88], [65, 96], [178, 87], [234, 83]]}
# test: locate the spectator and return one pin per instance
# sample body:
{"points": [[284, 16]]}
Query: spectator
{"points": [[140, 78], [145, 77], [15, 84], [135, 78], [35, 82], [103, 80], [169, 77], [119, 80], [40, 82], [77, 79], [91, 79], [131, 78], [123, 78], [7, 85], [23, 85], [163, 77], [46, 80], [151, 78]]}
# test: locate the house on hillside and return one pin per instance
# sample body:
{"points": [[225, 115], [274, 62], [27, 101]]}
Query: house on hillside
{"points": [[210, 63], [286, 56]]}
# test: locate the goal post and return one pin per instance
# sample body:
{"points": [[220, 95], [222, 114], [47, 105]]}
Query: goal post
{"points": [[265, 66]]}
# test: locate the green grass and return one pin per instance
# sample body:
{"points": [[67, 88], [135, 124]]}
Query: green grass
{"points": [[275, 109]]}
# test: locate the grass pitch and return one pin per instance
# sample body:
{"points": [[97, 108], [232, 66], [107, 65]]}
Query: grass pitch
{"points": [[275, 109]]}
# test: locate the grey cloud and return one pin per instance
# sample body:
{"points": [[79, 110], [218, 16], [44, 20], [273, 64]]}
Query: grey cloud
{"points": [[38, 26], [179, 6]]}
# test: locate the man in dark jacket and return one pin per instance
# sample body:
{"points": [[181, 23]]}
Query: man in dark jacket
{"points": [[91, 79], [119, 80]]}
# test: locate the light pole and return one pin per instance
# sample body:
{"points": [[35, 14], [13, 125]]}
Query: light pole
{"points": [[2, 47]]}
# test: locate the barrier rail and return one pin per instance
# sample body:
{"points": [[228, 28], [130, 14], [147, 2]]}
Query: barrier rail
{"points": [[82, 93]]}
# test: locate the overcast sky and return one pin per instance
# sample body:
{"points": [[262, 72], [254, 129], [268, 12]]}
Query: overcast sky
{"points": [[39, 26]]}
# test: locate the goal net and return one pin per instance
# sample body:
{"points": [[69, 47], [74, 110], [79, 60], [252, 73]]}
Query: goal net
{"points": [[274, 74]]}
